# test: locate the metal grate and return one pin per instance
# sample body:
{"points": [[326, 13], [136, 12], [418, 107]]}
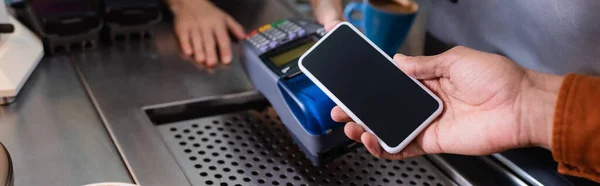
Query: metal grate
{"points": [[254, 148]]}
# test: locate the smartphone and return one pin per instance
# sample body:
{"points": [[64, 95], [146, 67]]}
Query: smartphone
{"points": [[364, 81]]}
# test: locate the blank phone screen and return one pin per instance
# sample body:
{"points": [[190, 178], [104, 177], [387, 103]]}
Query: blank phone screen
{"points": [[390, 103]]}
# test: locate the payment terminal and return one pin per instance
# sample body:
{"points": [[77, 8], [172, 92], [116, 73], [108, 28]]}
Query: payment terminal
{"points": [[270, 57]]}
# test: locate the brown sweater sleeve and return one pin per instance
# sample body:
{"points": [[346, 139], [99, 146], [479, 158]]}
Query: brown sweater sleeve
{"points": [[576, 130]]}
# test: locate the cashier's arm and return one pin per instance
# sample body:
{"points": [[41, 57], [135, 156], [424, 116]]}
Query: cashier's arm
{"points": [[202, 29], [327, 11]]}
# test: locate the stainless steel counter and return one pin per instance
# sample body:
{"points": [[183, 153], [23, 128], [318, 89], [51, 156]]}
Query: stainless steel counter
{"points": [[58, 135], [126, 77], [54, 134]]}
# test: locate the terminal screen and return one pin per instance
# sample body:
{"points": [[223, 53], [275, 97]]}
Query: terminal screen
{"points": [[292, 54]]}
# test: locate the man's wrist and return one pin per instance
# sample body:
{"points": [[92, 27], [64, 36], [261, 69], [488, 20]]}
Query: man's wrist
{"points": [[538, 102]]}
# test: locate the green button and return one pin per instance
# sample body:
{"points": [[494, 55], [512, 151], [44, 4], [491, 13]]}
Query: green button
{"points": [[279, 22]]}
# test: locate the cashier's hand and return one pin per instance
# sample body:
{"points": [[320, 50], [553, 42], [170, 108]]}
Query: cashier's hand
{"points": [[327, 11], [483, 96], [202, 30]]}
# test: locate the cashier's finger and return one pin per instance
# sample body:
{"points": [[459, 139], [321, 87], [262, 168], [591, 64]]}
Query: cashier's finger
{"points": [[337, 114], [224, 44], [198, 46], [353, 131], [209, 46], [183, 36], [330, 25], [235, 27]]}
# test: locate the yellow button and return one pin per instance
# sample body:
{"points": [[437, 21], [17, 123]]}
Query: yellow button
{"points": [[263, 28]]}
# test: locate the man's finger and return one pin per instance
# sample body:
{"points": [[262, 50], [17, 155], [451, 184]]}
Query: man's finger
{"points": [[422, 67], [209, 47], [235, 27], [196, 38], [428, 141], [412, 150], [353, 131], [224, 44], [338, 115], [371, 144], [183, 36]]}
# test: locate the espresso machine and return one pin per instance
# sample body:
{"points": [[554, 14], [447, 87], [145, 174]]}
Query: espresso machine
{"points": [[20, 52]]}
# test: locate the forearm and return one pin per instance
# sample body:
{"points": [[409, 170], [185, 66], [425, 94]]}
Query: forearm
{"points": [[563, 114], [575, 139]]}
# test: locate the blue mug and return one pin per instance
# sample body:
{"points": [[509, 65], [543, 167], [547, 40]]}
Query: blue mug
{"points": [[387, 29]]}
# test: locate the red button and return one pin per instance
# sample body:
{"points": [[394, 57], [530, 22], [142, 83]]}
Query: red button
{"points": [[250, 34]]}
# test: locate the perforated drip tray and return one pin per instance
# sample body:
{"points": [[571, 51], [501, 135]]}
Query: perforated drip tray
{"points": [[254, 148]]}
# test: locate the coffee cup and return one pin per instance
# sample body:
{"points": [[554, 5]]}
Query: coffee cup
{"points": [[385, 22]]}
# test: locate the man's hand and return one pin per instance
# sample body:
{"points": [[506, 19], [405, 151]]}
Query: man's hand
{"points": [[203, 28], [489, 105]]}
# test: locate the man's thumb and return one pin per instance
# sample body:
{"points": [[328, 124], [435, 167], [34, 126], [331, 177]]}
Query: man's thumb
{"points": [[421, 67]]}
